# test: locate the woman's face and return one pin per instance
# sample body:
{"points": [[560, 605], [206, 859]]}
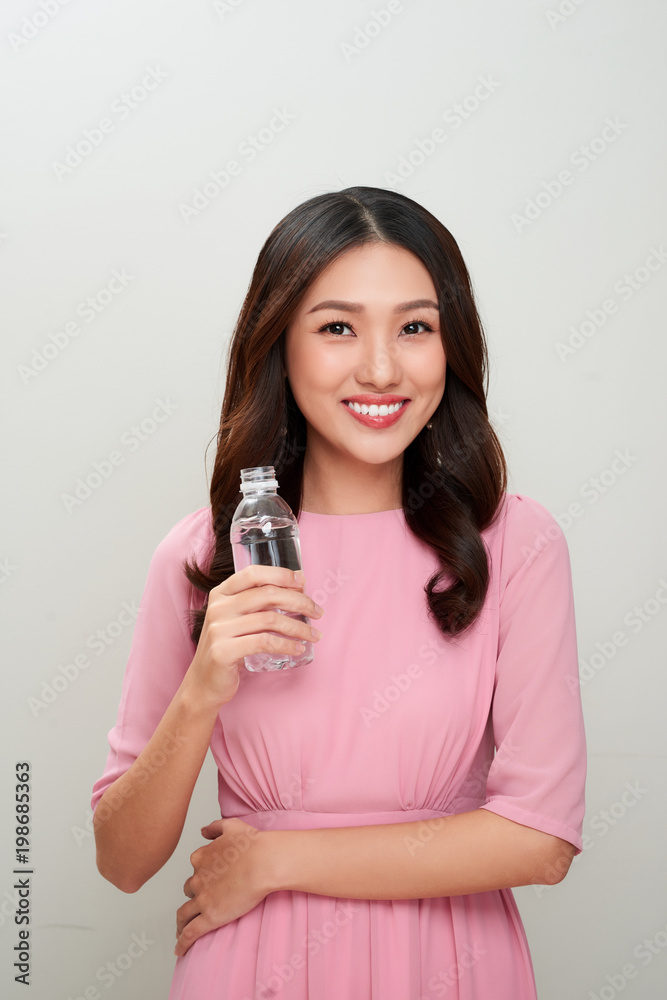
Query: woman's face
{"points": [[378, 336]]}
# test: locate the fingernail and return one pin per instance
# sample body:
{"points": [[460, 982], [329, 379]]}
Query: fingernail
{"points": [[300, 576]]}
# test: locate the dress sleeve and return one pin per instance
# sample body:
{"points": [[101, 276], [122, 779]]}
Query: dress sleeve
{"points": [[538, 773], [161, 649]]}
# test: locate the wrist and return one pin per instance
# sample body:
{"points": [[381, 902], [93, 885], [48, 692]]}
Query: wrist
{"points": [[275, 859], [194, 703]]}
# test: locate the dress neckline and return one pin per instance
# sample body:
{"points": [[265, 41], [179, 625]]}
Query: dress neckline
{"points": [[370, 513]]}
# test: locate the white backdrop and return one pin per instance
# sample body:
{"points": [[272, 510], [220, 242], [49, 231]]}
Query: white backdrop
{"points": [[149, 148]]}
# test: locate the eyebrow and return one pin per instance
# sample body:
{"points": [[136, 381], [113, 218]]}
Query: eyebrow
{"points": [[357, 307]]}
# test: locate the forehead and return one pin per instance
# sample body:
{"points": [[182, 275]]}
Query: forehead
{"points": [[386, 273]]}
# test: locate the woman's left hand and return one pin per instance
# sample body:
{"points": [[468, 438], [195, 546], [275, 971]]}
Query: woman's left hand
{"points": [[228, 880]]}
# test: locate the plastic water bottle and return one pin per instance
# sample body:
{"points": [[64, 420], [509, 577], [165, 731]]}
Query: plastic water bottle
{"points": [[264, 532]]}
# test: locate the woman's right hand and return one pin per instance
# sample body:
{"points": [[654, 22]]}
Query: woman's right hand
{"points": [[239, 619]]}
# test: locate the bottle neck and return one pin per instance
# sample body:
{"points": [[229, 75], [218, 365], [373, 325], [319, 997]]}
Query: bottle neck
{"points": [[258, 479]]}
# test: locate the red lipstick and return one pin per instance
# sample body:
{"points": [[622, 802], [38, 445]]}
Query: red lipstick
{"points": [[369, 400]]}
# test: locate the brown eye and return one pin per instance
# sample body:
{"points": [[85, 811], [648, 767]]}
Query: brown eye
{"points": [[418, 322], [327, 327]]}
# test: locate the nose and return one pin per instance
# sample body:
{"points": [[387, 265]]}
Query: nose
{"points": [[379, 362]]}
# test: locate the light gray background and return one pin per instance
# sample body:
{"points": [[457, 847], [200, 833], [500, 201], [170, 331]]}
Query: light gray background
{"points": [[556, 79]]}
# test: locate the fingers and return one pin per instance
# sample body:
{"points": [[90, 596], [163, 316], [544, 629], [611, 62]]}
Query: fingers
{"points": [[194, 857], [212, 830], [185, 913], [258, 576], [191, 932], [260, 601], [262, 586]]}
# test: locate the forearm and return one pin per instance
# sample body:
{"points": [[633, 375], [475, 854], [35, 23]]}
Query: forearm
{"points": [[476, 851], [139, 819]]}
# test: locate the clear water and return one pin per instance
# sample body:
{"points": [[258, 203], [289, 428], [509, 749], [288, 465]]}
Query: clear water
{"points": [[270, 541]]}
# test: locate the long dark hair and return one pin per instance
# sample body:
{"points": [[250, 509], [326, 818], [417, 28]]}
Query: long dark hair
{"points": [[454, 475]]}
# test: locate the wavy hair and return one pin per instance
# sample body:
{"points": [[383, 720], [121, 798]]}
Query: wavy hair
{"points": [[454, 475]]}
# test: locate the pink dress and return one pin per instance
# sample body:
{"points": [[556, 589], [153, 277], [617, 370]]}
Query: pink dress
{"points": [[391, 722]]}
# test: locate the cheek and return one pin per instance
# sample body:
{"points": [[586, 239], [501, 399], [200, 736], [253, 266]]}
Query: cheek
{"points": [[317, 370], [312, 374], [429, 368]]}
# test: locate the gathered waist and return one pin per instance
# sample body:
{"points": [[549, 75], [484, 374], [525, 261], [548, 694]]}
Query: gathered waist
{"points": [[301, 819]]}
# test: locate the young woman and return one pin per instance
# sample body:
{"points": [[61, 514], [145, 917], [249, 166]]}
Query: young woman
{"points": [[380, 802]]}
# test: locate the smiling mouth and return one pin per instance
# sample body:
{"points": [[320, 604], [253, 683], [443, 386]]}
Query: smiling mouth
{"points": [[375, 409], [378, 417]]}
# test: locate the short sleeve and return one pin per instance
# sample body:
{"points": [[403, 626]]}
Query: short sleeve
{"points": [[161, 650], [537, 777]]}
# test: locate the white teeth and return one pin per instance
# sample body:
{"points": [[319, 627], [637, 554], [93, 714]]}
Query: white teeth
{"points": [[376, 411]]}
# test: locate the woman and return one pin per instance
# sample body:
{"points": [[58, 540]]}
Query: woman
{"points": [[370, 836]]}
